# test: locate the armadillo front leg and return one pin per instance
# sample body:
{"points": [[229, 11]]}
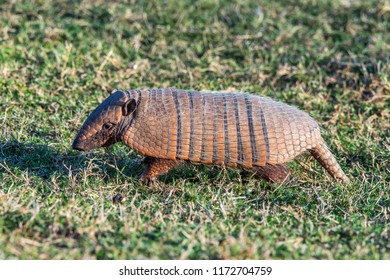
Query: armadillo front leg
{"points": [[277, 173], [156, 167]]}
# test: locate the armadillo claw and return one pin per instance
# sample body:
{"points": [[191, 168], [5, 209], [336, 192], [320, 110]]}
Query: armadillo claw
{"points": [[148, 181]]}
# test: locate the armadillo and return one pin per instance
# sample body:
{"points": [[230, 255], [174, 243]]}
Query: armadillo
{"points": [[232, 129]]}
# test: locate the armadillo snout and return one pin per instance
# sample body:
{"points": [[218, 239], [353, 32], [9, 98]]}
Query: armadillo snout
{"points": [[78, 145]]}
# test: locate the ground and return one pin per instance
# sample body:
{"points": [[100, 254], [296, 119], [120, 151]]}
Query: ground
{"points": [[59, 59]]}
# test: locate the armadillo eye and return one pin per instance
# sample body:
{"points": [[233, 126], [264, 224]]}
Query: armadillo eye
{"points": [[107, 125]]}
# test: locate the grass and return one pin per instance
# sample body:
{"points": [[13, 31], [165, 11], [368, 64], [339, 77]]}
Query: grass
{"points": [[58, 60]]}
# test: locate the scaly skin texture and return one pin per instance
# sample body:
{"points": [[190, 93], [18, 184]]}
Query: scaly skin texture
{"points": [[220, 128], [278, 173], [157, 166]]}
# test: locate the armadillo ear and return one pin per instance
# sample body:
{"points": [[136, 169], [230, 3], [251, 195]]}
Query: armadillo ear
{"points": [[129, 107]]}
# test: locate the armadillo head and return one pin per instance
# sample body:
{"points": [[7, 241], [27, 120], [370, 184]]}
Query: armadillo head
{"points": [[105, 124]]}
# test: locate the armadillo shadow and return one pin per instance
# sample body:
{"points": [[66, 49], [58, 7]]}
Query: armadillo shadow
{"points": [[43, 161]]}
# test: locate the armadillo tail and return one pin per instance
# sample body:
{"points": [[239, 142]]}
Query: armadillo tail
{"points": [[323, 155]]}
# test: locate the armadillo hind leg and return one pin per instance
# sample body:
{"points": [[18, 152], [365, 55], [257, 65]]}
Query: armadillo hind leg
{"points": [[156, 167], [322, 154], [277, 173]]}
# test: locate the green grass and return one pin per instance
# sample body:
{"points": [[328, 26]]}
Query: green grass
{"points": [[58, 60]]}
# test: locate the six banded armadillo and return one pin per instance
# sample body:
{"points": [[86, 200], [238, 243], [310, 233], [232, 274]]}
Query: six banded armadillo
{"points": [[221, 128]]}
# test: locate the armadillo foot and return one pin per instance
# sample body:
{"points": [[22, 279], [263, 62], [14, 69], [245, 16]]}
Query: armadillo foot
{"points": [[278, 173], [150, 182], [156, 167]]}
